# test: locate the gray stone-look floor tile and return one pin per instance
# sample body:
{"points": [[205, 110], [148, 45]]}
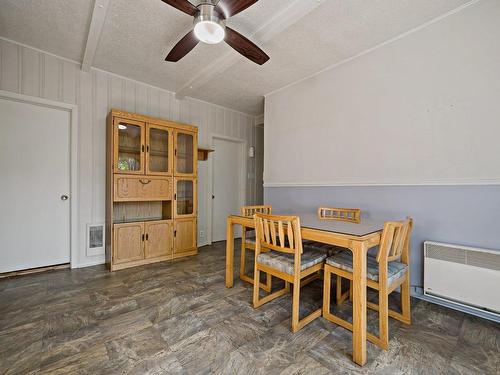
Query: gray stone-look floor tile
{"points": [[179, 318], [179, 327]]}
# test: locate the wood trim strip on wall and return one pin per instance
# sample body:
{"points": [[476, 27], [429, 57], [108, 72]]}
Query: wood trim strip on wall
{"points": [[465, 182]]}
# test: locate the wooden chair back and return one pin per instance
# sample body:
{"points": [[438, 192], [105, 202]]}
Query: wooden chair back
{"points": [[395, 241], [252, 210], [352, 215], [279, 233]]}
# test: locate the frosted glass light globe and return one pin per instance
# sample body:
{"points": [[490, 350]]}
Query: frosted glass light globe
{"points": [[209, 32]]}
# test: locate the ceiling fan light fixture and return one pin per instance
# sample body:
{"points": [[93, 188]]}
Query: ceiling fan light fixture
{"points": [[208, 26], [209, 32]]}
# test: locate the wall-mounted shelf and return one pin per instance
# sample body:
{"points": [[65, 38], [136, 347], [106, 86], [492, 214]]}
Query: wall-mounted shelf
{"points": [[203, 152]]}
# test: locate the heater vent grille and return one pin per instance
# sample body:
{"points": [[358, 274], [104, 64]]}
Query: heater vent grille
{"points": [[476, 258]]}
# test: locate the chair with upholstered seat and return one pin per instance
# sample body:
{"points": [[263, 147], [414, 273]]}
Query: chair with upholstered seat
{"points": [[285, 259], [385, 272], [352, 215], [248, 243]]}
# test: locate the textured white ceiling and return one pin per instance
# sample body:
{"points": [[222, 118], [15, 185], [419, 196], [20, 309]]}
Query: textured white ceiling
{"points": [[138, 34], [56, 26]]}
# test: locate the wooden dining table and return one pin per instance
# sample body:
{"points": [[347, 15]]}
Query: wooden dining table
{"points": [[358, 237]]}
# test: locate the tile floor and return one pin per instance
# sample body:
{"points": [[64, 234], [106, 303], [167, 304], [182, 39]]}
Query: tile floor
{"points": [[178, 318]]}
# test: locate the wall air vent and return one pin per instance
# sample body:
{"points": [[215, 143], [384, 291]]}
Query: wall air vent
{"points": [[95, 239]]}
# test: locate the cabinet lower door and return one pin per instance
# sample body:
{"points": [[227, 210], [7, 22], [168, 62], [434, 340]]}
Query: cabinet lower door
{"points": [[185, 236], [128, 242], [158, 239]]}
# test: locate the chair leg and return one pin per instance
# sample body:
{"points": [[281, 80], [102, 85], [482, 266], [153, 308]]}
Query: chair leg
{"points": [[244, 277], [383, 316], [405, 300], [256, 288], [341, 298], [269, 283], [295, 306], [242, 260], [339, 290], [257, 301], [327, 280]]}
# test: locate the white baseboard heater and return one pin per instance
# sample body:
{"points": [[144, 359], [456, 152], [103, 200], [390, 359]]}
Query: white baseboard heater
{"points": [[462, 275]]}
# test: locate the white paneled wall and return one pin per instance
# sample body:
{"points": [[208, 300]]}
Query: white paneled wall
{"points": [[28, 71]]}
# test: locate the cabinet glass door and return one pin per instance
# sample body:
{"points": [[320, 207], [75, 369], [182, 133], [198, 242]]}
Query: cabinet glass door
{"points": [[158, 148], [129, 147], [185, 153], [185, 198]]}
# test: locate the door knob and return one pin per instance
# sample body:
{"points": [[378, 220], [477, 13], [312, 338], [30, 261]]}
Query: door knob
{"points": [[64, 197]]}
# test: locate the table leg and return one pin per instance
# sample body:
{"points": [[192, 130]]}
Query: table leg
{"points": [[229, 253], [359, 303]]}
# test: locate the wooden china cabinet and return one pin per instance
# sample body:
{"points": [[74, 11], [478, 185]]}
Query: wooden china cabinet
{"points": [[151, 197]]}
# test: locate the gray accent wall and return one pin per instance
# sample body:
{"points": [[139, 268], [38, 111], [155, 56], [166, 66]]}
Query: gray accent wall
{"points": [[464, 215]]}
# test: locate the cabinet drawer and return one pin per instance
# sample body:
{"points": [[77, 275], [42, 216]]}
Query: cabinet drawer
{"points": [[142, 188]]}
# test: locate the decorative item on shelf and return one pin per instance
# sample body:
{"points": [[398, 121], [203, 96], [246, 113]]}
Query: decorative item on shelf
{"points": [[128, 164], [123, 165]]}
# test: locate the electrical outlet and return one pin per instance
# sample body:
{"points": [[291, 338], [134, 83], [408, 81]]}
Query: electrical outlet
{"points": [[202, 234]]}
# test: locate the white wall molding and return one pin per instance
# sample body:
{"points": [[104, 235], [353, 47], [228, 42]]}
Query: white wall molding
{"points": [[40, 51], [367, 184]]}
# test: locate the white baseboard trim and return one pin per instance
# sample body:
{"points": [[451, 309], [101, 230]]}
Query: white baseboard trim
{"points": [[88, 264], [471, 311]]}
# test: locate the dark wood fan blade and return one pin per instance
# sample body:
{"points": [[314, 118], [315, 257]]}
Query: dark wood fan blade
{"points": [[229, 8], [183, 47], [245, 47], [183, 5]]}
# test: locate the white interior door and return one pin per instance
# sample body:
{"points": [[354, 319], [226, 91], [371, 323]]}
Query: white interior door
{"points": [[35, 175], [227, 185]]}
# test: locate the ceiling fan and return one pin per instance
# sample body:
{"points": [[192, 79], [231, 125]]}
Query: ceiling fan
{"points": [[210, 27]]}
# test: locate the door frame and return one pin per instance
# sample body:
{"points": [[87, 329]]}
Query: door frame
{"points": [[243, 175], [73, 183]]}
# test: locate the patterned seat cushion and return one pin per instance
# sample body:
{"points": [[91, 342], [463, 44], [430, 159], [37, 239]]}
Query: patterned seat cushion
{"points": [[328, 249], [343, 261], [285, 262]]}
